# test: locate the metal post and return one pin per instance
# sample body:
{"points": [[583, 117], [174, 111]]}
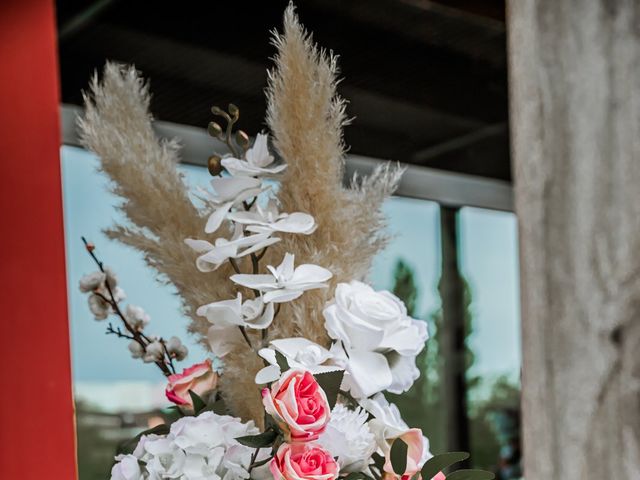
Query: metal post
{"points": [[454, 388]]}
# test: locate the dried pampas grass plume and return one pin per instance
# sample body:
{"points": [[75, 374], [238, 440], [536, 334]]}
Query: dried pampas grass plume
{"points": [[160, 215], [306, 117]]}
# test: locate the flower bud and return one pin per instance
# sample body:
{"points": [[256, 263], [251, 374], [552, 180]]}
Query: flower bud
{"points": [[234, 111], [242, 138], [214, 129], [215, 165]]}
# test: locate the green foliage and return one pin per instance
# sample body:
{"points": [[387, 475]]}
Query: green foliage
{"points": [[283, 364], [198, 403], [437, 463], [330, 383], [264, 439], [399, 450]]}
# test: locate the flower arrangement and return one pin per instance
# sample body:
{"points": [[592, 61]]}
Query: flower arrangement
{"points": [[270, 269]]}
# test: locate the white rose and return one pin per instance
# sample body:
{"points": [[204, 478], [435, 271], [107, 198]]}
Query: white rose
{"points": [[377, 341]]}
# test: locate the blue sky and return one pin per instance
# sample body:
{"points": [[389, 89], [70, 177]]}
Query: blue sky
{"points": [[488, 248]]}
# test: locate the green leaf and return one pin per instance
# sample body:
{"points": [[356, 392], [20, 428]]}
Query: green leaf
{"points": [[198, 403], [129, 446], [264, 439], [399, 450], [437, 463], [282, 362], [471, 475], [378, 461], [330, 382]]}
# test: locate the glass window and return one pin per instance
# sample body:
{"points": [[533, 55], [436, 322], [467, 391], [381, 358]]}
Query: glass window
{"points": [[117, 396], [489, 263]]}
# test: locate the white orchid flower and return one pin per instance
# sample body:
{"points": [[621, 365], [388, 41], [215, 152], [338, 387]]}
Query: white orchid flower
{"points": [[252, 313], [285, 283], [300, 353], [268, 219], [230, 191], [227, 315], [257, 160], [215, 254]]}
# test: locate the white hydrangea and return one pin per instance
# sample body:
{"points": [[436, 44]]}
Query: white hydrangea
{"points": [[348, 437], [196, 448]]}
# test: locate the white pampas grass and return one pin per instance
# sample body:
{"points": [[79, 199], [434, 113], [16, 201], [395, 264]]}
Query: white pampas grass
{"points": [[306, 117], [117, 127]]}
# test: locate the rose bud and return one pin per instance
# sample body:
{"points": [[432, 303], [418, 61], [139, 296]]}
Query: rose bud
{"points": [[200, 378]]}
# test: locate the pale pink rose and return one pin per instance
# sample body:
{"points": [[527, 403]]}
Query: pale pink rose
{"points": [[414, 440], [439, 476], [298, 404], [303, 461], [200, 378]]}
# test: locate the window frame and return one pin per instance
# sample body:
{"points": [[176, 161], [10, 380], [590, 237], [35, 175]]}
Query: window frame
{"points": [[446, 188]]}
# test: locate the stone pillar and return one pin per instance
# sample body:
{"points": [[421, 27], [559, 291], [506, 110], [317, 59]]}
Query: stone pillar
{"points": [[575, 110]]}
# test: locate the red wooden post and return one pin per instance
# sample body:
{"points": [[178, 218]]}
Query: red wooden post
{"points": [[36, 405]]}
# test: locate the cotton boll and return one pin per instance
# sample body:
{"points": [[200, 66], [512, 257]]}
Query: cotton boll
{"points": [[136, 349], [176, 349], [154, 353], [92, 281], [98, 306], [136, 317]]}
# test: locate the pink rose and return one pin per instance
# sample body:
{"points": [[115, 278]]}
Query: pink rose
{"points": [[439, 476], [415, 453], [303, 461], [200, 378], [298, 404]]}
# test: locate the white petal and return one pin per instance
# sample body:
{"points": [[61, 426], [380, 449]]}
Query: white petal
{"points": [[269, 355], [258, 154], [229, 188], [222, 339], [282, 295], [257, 282], [199, 246], [296, 222], [258, 246], [310, 274], [403, 372], [224, 312], [265, 319], [369, 373], [217, 217], [285, 269], [268, 374], [218, 255], [409, 340]]}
